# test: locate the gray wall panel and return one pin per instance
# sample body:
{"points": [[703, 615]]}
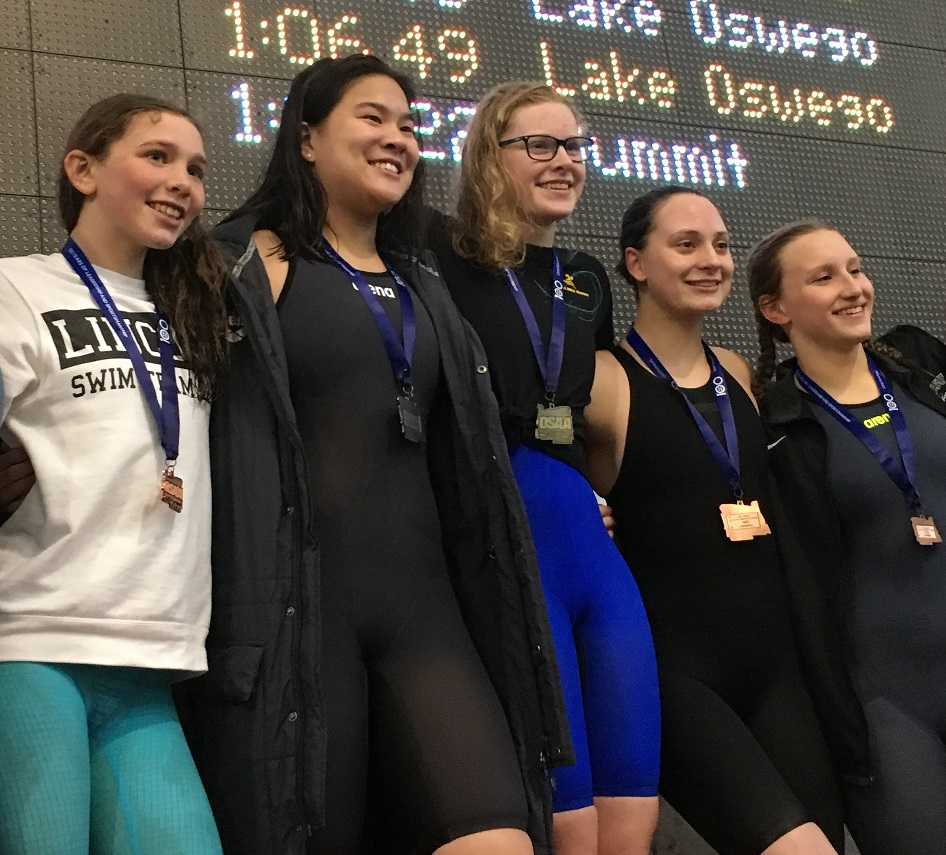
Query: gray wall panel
{"points": [[15, 28], [17, 124], [52, 233], [19, 225], [143, 31]]}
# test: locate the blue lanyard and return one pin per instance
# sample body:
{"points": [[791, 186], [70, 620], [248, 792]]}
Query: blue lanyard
{"points": [[549, 362], [400, 355], [166, 414], [727, 458], [903, 471]]}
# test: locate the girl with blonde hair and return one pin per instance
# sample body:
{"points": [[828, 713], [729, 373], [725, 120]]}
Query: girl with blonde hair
{"points": [[542, 311]]}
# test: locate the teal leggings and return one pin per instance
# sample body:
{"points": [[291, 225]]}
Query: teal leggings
{"points": [[93, 760]]}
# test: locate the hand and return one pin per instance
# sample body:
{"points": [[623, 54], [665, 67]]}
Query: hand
{"points": [[16, 478], [607, 516]]}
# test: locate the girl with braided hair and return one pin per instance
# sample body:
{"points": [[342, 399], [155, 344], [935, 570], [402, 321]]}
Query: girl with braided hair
{"points": [[857, 440], [678, 448]]}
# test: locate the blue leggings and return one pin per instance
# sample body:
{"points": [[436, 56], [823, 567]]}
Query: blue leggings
{"points": [[602, 638], [93, 760]]}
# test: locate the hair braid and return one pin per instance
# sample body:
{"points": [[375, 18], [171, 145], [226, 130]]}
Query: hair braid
{"points": [[765, 364]]}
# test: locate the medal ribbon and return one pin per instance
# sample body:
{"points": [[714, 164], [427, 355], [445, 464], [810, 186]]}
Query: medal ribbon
{"points": [[166, 414], [727, 458], [902, 472], [549, 362], [400, 351]]}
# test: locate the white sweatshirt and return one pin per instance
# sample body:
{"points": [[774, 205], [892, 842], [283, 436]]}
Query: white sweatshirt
{"points": [[94, 569]]}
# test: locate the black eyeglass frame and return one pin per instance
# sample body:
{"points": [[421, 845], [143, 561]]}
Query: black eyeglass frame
{"points": [[560, 143]]}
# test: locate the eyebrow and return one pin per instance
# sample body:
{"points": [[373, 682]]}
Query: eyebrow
{"points": [[199, 158], [696, 233], [381, 108], [828, 265]]}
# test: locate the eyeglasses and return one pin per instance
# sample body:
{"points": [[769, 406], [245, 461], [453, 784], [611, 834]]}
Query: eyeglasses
{"points": [[544, 147]]}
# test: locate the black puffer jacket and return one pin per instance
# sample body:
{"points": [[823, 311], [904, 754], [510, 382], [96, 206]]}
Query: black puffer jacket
{"points": [[255, 721], [810, 536]]}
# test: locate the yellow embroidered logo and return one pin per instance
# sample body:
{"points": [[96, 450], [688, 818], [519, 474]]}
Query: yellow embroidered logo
{"points": [[877, 421], [572, 288]]}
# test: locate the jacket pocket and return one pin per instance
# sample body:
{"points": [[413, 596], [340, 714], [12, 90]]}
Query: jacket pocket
{"points": [[232, 672]]}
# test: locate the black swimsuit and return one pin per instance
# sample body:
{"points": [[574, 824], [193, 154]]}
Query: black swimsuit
{"points": [[408, 701], [744, 759]]}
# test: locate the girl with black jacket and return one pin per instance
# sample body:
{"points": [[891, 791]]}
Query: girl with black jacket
{"points": [[857, 445], [679, 451], [371, 554]]}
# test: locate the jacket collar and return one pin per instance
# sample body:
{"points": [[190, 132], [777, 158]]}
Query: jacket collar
{"points": [[237, 234], [783, 402]]}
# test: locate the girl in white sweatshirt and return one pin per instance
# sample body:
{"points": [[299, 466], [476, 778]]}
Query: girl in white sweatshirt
{"points": [[108, 352]]}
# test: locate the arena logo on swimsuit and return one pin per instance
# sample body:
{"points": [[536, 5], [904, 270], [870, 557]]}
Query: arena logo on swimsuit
{"points": [[379, 291]]}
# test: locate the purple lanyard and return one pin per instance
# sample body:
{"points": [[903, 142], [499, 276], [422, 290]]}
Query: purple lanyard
{"points": [[903, 471], [549, 362], [401, 356], [727, 458], [166, 414]]}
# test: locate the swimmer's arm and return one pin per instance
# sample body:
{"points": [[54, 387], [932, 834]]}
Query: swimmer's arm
{"points": [[606, 422]]}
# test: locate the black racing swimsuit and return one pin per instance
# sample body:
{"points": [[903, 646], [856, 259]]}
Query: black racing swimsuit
{"points": [[408, 701], [744, 759]]}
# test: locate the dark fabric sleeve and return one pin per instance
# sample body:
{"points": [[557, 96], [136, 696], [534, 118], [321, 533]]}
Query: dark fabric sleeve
{"points": [[809, 547], [604, 330]]}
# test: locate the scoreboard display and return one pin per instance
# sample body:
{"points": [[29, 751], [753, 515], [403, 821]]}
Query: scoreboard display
{"points": [[776, 109]]}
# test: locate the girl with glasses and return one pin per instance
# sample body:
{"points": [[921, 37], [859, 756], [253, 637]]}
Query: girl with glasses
{"points": [[542, 311]]}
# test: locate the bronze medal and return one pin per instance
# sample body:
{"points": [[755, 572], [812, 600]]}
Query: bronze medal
{"points": [[743, 522], [925, 531], [172, 490], [554, 424]]}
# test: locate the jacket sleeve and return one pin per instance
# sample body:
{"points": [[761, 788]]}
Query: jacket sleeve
{"points": [[809, 546]]}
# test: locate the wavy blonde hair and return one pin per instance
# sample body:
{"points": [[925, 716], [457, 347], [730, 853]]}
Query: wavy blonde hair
{"points": [[491, 224]]}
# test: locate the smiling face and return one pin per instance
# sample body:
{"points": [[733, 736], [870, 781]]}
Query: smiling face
{"points": [[365, 152], [825, 297], [548, 191], [149, 185], [685, 264]]}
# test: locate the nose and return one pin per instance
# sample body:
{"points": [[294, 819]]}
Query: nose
{"points": [[852, 286], [395, 138], [708, 259], [561, 158], [180, 181]]}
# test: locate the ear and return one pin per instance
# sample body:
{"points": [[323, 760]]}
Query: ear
{"points": [[635, 265], [305, 143], [771, 308], [80, 170]]}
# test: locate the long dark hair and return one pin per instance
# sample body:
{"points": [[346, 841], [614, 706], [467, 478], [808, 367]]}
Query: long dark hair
{"points": [[291, 200], [186, 280], [764, 272], [638, 222]]}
